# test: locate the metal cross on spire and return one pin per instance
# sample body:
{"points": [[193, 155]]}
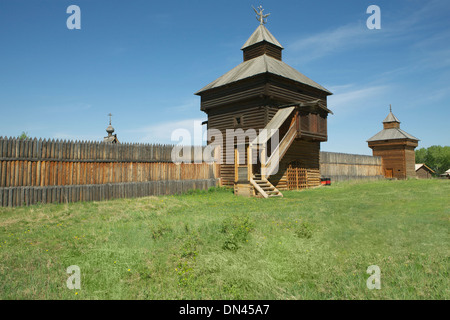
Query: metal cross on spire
{"points": [[110, 115], [260, 16], [390, 108]]}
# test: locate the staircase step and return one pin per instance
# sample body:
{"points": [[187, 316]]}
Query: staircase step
{"points": [[263, 183], [266, 186]]}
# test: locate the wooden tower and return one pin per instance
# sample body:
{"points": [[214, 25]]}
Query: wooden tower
{"points": [[264, 92], [396, 149]]}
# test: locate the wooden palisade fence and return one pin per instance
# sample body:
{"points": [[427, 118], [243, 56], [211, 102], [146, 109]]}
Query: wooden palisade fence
{"points": [[343, 166], [33, 171], [45, 171]]}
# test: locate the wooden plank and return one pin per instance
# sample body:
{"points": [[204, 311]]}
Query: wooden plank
{"points": [[3, 174]]}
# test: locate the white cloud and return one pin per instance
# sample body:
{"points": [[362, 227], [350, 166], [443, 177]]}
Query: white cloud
{"points": [[187, 105], [328, 42], [162, 132], [394, 27], [356, 98]]}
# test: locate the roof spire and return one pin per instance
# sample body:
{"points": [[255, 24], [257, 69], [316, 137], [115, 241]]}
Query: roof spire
{"points": [[112, 138], [260, 16], [110, 128], [390, 119]]}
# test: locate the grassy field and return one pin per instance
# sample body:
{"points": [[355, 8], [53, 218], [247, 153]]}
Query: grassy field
{"points": [[313, 244]]}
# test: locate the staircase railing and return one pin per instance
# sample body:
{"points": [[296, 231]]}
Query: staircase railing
{"points": [[268, 167]]}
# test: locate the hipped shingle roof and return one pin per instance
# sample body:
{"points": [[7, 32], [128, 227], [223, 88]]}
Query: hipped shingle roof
{"points": [[392, 133], [259, 65]]}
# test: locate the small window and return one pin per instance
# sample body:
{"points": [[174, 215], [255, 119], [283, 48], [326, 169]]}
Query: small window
{"points": [[238, 121]]}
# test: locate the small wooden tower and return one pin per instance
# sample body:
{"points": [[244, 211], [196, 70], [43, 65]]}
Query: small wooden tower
{"points": [[396, 148], [263, 92]]}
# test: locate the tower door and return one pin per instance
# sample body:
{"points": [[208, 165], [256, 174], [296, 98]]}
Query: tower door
{"points": [[389, 173], [296, 176]]}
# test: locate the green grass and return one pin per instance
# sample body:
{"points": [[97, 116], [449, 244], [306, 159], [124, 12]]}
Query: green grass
{"points": [[312, 244]]}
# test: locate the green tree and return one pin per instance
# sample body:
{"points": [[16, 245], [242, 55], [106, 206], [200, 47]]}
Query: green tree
{"points": [[24, 136], [420, 155]]}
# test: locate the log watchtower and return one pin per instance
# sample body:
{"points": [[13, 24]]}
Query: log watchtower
{"points": [[396, 148], [263, 92]]}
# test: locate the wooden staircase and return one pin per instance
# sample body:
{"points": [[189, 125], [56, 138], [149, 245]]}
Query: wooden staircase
{"points": [[264, 187], [299, 120], [269, 166]]}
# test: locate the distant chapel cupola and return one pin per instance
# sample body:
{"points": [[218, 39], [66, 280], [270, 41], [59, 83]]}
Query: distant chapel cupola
{"points": [[110, 138]]}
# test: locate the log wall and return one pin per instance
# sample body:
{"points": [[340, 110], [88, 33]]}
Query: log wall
{"points": [[343, 166]]}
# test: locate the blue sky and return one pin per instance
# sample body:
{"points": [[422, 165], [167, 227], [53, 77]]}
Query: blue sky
{"points": [[143, 60]]}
